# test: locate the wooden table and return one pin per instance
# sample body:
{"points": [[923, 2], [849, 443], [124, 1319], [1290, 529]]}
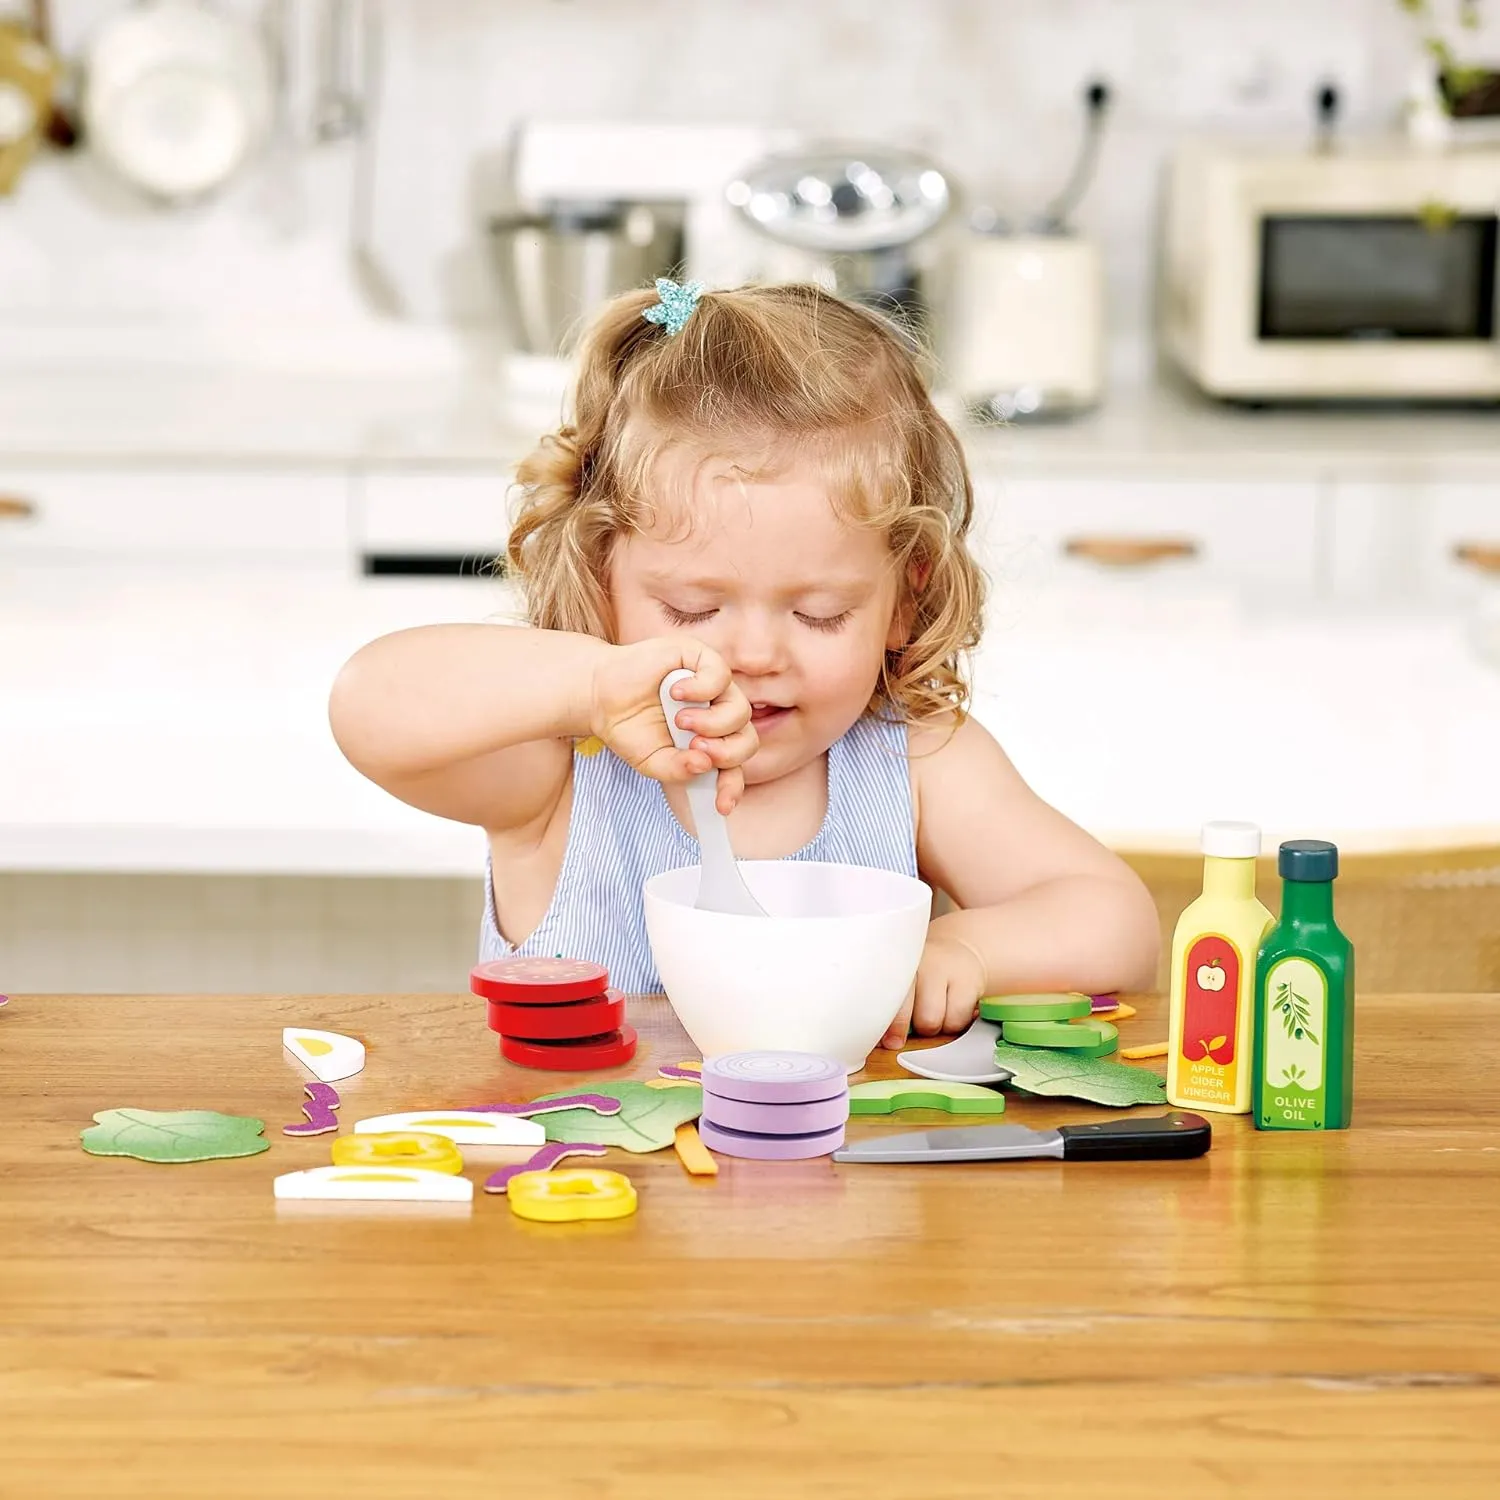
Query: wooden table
{"points": [[1308, 1315]]}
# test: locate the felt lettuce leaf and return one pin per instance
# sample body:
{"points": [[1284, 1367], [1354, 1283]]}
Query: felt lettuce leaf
{"points": [[175, 1135], [1060, 1074], [647, 1121]]}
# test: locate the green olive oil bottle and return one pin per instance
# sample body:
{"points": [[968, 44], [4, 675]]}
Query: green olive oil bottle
{"points": [[1303, 1074]]}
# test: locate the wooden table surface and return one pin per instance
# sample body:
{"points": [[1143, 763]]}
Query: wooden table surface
{"points": [[1292, 1314]]}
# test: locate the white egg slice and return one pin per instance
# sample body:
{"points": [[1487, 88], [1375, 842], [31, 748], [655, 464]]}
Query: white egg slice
{"points": [[375, 1184], [464, 1127], [328, 1054]]}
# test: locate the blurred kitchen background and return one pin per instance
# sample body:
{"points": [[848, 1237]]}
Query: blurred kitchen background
{"points": [[285, 292]]}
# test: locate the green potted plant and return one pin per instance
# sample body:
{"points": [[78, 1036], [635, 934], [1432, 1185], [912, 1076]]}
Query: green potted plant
{"points": [[1446, 87]]}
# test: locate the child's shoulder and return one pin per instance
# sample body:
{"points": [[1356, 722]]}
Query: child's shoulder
{"points": [[961, 780], [936, 735], [936, 738], [952, 745]]}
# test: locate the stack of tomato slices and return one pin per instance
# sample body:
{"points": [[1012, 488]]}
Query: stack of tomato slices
{"points": [[556, 1013]]}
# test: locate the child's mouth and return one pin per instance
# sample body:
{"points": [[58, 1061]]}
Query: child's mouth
{"points": [[767, 715]]}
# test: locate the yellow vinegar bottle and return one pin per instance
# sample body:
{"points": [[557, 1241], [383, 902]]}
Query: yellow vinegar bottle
{"points": [[1211, 1015]]}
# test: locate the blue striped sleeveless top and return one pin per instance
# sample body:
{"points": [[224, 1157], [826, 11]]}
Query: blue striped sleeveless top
{"points": [[621, 832]]}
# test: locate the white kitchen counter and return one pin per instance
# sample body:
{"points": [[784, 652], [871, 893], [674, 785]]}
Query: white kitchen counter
{"points": [[1163, 430], [174, 720], [121, 414], [223, 418]]}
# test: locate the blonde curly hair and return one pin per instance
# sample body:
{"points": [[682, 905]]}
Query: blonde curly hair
{"points": [[791, 370]]}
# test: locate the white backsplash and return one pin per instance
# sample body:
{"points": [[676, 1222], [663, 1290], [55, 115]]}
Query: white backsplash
{"points": [[990, 86]]}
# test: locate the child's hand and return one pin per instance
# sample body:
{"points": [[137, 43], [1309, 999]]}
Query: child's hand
{"points": [[949, 985], [626, 713]]}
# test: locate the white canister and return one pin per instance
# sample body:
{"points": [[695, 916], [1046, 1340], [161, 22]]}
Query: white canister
{"points": [[1022, 332]]}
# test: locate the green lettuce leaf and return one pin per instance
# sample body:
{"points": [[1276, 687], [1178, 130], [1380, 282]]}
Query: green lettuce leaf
{"points": [[1060, 1074], [647, 1121], [174, 1135]]}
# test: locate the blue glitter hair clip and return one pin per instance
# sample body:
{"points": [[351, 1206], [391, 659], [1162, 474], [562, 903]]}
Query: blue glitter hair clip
{"points": [[675, 303]]}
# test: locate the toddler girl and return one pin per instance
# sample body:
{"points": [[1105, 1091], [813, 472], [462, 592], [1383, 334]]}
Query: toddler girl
{"points": [[754, 485]]}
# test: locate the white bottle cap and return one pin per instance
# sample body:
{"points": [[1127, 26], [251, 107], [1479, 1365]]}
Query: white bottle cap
{"points": [[1231, 840]]}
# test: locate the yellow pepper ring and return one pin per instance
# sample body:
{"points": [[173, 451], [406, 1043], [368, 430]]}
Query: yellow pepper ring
{"points": [[398, 1148], [577, 1193]]}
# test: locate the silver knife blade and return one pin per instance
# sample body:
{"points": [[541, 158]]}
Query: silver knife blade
{"points": [[958, 1143]]}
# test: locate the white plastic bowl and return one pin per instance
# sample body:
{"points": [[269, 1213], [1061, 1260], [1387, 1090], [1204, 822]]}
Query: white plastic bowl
{"points": [[825, 972]]}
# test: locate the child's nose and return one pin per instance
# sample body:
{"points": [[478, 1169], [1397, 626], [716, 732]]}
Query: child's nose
{"points": [[758, 647]]}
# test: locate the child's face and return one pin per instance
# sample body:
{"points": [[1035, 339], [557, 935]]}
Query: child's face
{"points": [[800, 604]]}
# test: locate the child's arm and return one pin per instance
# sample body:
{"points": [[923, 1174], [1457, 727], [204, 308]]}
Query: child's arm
{"points": [[476, 722], [1044, 907]]}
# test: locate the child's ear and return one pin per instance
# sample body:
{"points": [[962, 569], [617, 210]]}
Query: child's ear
{"points": [[903, 617]]}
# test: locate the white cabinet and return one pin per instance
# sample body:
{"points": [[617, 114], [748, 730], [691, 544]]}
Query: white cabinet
{"points": [[238, 514], [1256, 540], [407, 516], [1417, 543], [1116, 728], [248, 515]]}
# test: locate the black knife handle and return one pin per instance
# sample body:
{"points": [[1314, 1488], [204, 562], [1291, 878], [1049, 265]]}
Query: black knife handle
{"points": [[1168, 1137]]}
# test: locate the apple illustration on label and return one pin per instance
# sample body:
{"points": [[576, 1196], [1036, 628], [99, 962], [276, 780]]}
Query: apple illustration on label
{"points": [[1210, 1020]]}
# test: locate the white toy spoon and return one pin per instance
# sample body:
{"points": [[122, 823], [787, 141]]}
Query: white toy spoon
{"points": [[721, 887], [969, 1058]]}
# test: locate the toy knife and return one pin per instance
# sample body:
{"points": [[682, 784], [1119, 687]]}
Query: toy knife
{"points": [[1171, 1136]]}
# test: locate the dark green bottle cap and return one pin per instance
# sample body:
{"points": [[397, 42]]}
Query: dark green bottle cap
{"points": [[1308, 859]]}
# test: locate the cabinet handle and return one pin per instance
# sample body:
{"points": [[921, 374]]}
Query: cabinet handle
{"points": [[14, 508], [1482, 555], [1129, 551]]}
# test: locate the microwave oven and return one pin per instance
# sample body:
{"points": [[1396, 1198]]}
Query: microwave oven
{"points": [[1341, 274]]}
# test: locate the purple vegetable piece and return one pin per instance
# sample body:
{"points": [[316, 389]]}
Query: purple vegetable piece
{"points": [[544, 1160], [769, 1147], [601, 1104], [774, 1077], [322, 1100], [806, 1118], [671, 1070]]}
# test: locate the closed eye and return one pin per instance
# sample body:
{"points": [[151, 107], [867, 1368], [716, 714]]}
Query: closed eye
{"points": [[826, 622], [683, 617]]}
